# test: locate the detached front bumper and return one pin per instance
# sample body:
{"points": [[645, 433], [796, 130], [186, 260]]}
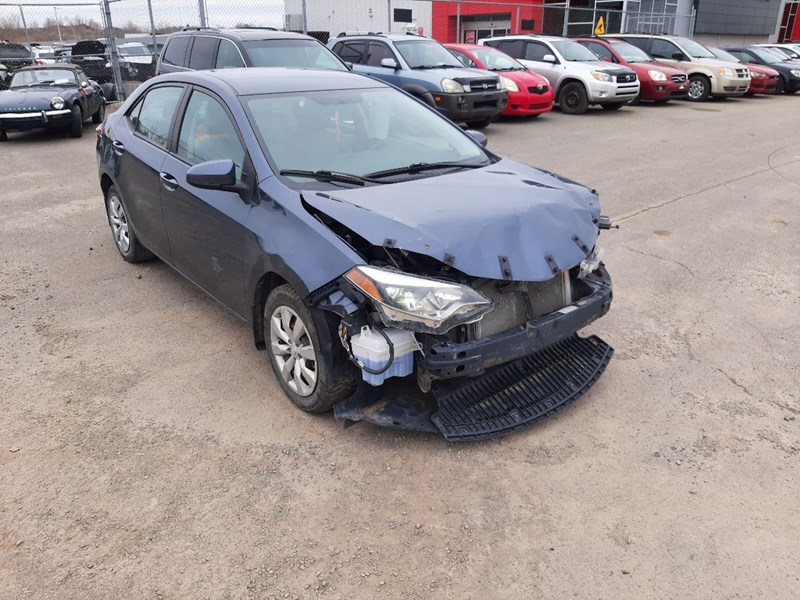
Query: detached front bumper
{"points": [[471, 106], [35, 120]]}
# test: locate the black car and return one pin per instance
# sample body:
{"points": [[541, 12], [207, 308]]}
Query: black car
{"points": [[392, 267], [12, 57], [196, 48], [56, 96], [788, 69]]}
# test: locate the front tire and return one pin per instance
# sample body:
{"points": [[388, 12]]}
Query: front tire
{"points": [[100, 113], [615, 106], [781, 89], [125, 239], [482, 124], [3, 135], [573, 99], [699, 88], [76, 127], [294, 347]]}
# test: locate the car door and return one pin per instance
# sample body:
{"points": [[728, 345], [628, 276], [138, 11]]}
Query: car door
{"points": [[93, 98], [533, 57], [376, 52], [139, 144], [665, 51], [206, 227]]}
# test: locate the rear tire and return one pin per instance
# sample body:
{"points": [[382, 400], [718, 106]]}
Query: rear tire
{"points": [[76, 127], [293, 344], [699, 88], [125, 239], [100, 113], [573, 99]]}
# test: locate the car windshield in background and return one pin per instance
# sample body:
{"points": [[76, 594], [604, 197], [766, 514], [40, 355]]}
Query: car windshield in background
{"points": [[788, 52], [494, 60], [356, 132], [304, 54], [136, 50], [631, 53], [43, 77], [694, 49], [573, 51], [768, 56], [427, 54]]}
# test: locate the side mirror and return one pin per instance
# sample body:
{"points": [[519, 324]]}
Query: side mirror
{"points": [[213, 175], [85, 84], [349, 66], [607, 59], [678, 56], [549, 58], [390, 63], [478, 136]]}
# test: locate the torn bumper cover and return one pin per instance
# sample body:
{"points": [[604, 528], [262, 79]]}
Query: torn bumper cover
{"points": [[498, 384]]}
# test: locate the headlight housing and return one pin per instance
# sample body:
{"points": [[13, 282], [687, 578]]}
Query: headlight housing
{"points": [[796, 72], [508, 84], [657, 75], [756, 75], [57, 103], [417, 303], [725, 72], [451, 86], [602, 76]]}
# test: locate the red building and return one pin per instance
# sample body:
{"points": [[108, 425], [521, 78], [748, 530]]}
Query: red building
{"points": [[465, 22], [790, 22]]}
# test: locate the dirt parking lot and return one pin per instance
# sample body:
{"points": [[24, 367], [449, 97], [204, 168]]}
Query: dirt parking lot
{"points": [[146, 450]]}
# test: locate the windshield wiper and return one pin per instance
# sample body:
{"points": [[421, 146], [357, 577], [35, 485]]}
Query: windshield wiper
{"points": [[423, 166], [439, 66], [322, 175]]}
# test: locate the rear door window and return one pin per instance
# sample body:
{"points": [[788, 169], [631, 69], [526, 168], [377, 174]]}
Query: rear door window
{"points": [[228, 56], [513, 48], [152, 116], [175, 54], [353, 52], [663, 49], [203, 53]]}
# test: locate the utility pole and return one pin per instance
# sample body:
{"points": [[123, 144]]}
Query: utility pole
{"points": [[305, 18]]}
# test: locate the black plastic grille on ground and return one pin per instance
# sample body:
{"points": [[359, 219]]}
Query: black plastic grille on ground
{"points": [[519, 393]]}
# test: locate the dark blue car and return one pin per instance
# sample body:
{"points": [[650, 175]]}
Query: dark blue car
{"points": [[392, 267]]}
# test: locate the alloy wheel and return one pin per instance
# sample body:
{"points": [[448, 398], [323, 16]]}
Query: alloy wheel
{"points": [[696, 89], [119, 224], [293, 351]]}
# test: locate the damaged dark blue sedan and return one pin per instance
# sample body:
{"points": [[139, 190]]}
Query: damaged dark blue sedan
{"points": [[392, 268]]}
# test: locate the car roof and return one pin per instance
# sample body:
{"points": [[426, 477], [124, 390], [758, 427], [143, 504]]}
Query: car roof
{"points": [[528, 36], [275, 80], [395, 37], [68, 66], [255, 33]]}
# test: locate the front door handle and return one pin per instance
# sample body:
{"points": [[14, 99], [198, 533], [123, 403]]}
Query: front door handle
{"points": [[169, 182], [119, 147]]}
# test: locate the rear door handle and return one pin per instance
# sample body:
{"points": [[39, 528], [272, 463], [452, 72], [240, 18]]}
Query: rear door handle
{"points": [[169, 182], [119, 147]]}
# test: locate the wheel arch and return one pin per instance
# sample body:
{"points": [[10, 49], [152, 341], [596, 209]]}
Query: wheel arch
{"points": [[568, 80]]}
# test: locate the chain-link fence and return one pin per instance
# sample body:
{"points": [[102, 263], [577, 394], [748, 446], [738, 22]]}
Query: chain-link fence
{"points": [[118, 41]]}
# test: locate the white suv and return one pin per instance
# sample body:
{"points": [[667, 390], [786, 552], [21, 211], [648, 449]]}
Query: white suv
{"points": [[578, 77]]}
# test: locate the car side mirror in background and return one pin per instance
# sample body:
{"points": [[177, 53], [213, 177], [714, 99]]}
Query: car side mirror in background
{"points": [[213, 175], [390, 63], [84, 84], [678, 56], [549, 58], [607, 59], [478, 136]]}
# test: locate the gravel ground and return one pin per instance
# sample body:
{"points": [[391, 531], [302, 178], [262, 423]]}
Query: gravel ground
{"points": [[146, 450]]}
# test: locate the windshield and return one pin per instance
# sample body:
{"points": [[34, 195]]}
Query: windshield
{"points": [[304, 54], [631, 53], [721, 54], [135, 50], [787, 52], [494, 60], [427, 54], [768, 56], [573, 51], [43, 77], [693, 49], [355, 131]]}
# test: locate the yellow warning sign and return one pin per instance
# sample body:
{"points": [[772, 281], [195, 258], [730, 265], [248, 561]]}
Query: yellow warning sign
{"points": [[600, 28]]}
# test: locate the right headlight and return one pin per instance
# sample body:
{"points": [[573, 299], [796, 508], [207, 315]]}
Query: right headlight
{"points": [[756, 74], [727, 72], [57, 103], [451, 86], [417, 303], [657, 75], [602, 76], [796, 72], [509, 84]]}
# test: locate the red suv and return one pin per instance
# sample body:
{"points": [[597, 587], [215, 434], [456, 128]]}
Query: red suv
{"points": [[659, 82], [529, 94]]}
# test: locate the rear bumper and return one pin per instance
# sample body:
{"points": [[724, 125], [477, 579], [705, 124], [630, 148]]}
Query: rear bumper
{"points": [[664, 90], [448, 359], [472, 106], [35, 120]]}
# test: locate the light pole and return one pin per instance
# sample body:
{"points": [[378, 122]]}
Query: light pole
{"points": [[58, 25]]}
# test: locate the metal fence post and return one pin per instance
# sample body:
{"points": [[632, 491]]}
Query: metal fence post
{"points": [[519, 22], [112, 43], [389, 15], [565, 31], [202, 11], [458, 22], [152, 26], [27, 33], [305, 17]]}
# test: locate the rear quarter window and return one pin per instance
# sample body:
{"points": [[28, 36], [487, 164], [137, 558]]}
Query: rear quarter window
{"points": [[175, 54]]}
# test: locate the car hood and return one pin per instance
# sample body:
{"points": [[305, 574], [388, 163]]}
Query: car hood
{"points": [[716, 63], [460, 75], [33, 98], [480, 221]]}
